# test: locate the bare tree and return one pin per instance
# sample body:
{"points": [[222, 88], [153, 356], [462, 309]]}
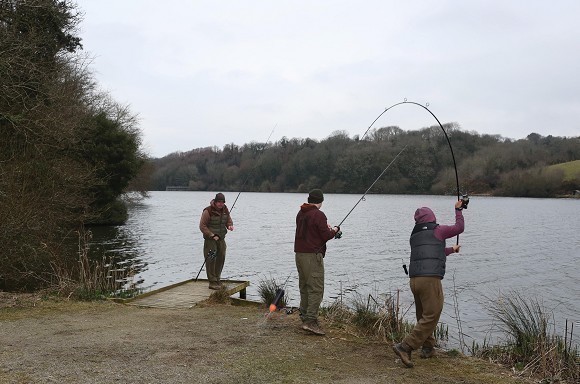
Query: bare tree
{"points": [[48, 101]]}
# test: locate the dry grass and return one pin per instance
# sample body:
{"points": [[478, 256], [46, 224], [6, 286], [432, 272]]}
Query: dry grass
{"points": [[219, 296], [369, 317], [92, 279], [210, 344], [532, 348]]}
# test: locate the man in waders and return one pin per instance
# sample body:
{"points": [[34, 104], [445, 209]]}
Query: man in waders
{"points": [[312, 233], [426, 270], [215, 223]]}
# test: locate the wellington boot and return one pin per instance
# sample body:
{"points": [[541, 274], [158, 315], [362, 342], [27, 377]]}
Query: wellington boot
{"points": [[404, 352]]}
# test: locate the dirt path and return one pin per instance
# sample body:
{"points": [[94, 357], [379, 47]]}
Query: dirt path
{"points": [[102, 342]]}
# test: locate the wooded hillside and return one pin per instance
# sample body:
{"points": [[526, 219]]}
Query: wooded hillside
{"points": [[486, 164]]}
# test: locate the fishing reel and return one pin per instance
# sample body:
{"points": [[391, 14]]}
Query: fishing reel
{"points": [[338, 234], [464, 201], [211, 254]]}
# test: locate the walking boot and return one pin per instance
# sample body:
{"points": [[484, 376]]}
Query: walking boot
{"points": [[404, 352], [312, 326], [214, 286], [427, 352]]}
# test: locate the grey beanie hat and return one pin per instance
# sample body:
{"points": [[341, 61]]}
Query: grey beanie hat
{"points": [[315, 196]]}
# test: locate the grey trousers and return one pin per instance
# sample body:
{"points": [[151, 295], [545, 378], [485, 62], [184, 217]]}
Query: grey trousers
{"points": [[214, 264], [311, 283]]}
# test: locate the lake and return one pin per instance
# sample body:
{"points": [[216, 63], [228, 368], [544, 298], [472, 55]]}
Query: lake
{"points": [[528, 245]]}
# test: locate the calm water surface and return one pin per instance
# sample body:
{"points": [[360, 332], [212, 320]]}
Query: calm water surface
{"points": [[528, 245]]}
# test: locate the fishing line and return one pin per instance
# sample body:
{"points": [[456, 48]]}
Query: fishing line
{"points": [[338, 234], [250, 173], [440, 126], [372, 185], [464, 198], [212, 253]]}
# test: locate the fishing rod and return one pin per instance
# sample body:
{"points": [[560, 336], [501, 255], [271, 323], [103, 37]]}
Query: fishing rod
{"points": [[338, 235], [212, 253], [465, 197], [279, 294], [250, 173], [440, 126], [372, 185]]}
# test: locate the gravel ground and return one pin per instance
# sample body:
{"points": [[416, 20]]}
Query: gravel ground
{"points": [[46, 341]]}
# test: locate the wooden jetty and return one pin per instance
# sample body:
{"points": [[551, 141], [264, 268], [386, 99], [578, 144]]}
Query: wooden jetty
{"points": [[185, 294]]}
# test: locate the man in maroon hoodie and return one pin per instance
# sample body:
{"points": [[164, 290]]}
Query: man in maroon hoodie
{"points": [[426, 270], [312, 233]]}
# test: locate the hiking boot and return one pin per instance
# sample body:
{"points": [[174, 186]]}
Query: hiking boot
{"points": [[312, 326], [404, 352], [214, 286], [427, 352]]}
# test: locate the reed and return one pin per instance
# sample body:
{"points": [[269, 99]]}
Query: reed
{"points": [[369, 316], [267, 288], [532, 347], [92, 279]]}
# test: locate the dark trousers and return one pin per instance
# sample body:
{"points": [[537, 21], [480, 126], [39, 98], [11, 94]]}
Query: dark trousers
{"points": [[311, 283], [214, 263]]}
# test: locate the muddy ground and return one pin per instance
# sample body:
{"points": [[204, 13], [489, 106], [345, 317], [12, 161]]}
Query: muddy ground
{"points": [[48, 341]]}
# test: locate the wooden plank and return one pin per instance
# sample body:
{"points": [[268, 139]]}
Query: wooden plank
{"points": [[185, 294]]}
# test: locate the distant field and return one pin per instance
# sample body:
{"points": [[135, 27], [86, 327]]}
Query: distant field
{"points": [[571, 169]]}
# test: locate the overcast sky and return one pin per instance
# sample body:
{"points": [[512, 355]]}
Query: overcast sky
{"points": [[209, 73]]}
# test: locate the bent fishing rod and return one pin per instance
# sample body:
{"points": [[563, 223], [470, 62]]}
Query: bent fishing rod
{"points": [[463, 198], [440, 126], [250, 173]]}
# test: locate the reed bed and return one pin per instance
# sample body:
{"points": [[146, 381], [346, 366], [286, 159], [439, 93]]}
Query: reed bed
{"points": [[93, 279], [370, 316], [532, 347]]}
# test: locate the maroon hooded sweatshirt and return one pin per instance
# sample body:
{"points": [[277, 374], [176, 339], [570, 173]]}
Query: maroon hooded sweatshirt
{"points": [[312, 231]]}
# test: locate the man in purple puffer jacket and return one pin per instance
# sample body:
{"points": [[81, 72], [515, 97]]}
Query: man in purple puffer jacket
{"points": [[426, 270]]}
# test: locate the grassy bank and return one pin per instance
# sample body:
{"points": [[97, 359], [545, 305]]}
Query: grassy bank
{"points": [[531, 349], [101, 342]]}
